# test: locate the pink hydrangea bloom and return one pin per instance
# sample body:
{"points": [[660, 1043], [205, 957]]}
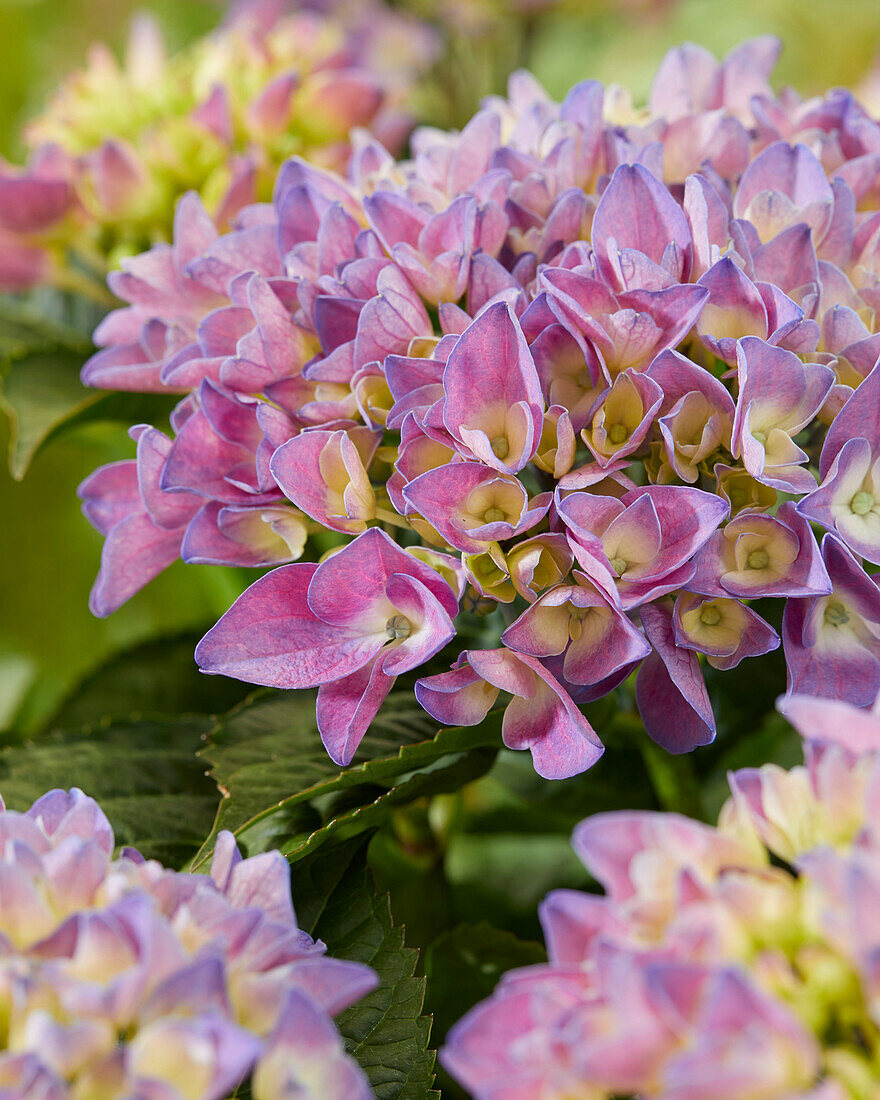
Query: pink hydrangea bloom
{"points": [[706, 970], [121, 978], [595, 369]]}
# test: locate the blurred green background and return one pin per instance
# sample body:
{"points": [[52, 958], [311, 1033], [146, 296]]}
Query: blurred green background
{"points": [[48, 554]]}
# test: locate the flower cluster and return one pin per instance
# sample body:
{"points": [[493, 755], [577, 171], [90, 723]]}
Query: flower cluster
{"points": [[118, 144], [121, 979], [707, 971], [585, 361]]}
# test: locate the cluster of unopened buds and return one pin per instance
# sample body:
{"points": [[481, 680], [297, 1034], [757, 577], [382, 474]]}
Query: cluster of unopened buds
{"points": [[580, 366], [119, 143], [728, 963], [124, 980]]}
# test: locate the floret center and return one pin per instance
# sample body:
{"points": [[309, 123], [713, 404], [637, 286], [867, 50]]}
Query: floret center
{"points": [[397, 627], [836, 614], [583, 379], [758, 559], [500, 446], [862, 503], [618, 433]]}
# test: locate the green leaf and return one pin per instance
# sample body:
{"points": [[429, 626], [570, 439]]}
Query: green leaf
{"points": [[31, 325], [464, 965], [44, 342], [125, 687], [336, 901], [508, 839], [43, 397], [145, 775], [501, 877], [282, 789], [41, 390]]}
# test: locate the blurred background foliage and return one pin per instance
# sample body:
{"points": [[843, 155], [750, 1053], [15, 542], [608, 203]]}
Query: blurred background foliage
{"points": [[827, 42]]}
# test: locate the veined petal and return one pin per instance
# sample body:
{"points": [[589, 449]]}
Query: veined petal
{"points": [[489, 372], [457, 698], [347, 584], [670, 691], [429, 625], [347, 706], [271, 636]]}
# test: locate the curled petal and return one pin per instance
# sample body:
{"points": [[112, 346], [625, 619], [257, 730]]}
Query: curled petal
{"points": [[670, 691]]}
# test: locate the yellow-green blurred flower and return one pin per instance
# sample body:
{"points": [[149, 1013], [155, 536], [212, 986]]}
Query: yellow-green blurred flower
{"points": [[120, 141]]}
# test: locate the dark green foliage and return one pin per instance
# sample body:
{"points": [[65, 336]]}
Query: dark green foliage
{"points": [[282, 790], [145, 775], [156, 678], [336, 901]]}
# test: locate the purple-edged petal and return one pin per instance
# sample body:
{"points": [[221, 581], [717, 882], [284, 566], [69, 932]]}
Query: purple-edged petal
{"points": [[304, 1058], [734, 309], [597, 638], [660, 231], [349, 581], [831, 642], [348, 705], [541, 717], [136, 550], [783, 171], [670, 691], [110, 494], [323, 473], [779, 395], [493, 402], [848, 500], [422, 624], [624, 417], [178, 1051], [832, 722], [391, 320], [722, 628], [761, 555], [859, 417], [262, 881], [270, 636], [170, 510], [471, 505], [456, 698]]}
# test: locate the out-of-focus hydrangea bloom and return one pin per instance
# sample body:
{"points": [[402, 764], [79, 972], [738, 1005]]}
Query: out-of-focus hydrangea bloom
{"points": [[731, 962], [119, 143], [587, 364], [122, 980]]}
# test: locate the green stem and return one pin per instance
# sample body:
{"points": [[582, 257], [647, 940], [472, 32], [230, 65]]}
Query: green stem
{"points": [[385, 515]]}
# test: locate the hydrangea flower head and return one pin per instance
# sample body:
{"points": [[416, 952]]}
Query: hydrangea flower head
{"points": [[599, 371], [120, 978], [733, 961]]}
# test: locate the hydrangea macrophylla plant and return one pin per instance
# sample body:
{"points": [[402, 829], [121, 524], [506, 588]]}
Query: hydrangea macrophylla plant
{"points": [[707, 969], [120, 978], [119, 143], [596, 371]]}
